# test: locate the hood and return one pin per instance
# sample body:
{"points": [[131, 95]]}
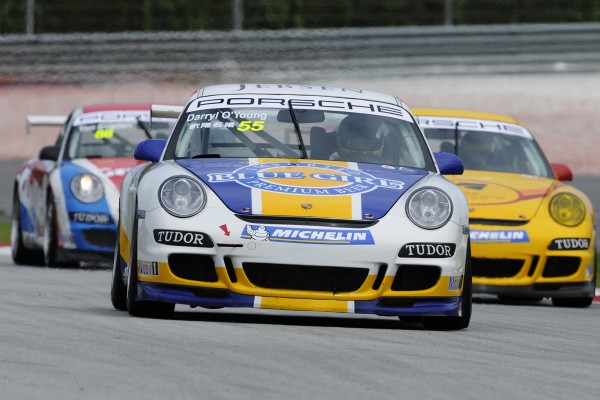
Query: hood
{"points": [[496, 195], [110, 170], [304, 188]]}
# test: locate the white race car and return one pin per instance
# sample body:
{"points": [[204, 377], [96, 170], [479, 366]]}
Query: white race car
{"points": [[294, 197]]}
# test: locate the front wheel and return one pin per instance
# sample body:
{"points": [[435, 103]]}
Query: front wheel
{"points": [[118, 292], [149, 309], [50, 242], [461, 321]]}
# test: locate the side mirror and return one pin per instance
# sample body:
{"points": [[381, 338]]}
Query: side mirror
{"points": [[149, 150], [562, 172], [49, 153], [448, 163]]}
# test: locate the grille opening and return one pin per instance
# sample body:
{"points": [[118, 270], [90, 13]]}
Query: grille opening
{"points": [[496, 267], [100, 237], [230, 269], [560, 266], [416, 277], [195, 267], [302, 277]]}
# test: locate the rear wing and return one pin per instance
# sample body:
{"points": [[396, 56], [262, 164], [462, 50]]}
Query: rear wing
{"points": [[162, 111], [44, 120]]}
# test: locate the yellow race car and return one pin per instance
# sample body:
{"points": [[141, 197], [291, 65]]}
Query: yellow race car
{"points": [[532, 234]]}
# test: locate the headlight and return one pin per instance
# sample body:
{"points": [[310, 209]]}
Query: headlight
{"points": [[429, 208], [181, 196], [567, 209], [87, 188]]}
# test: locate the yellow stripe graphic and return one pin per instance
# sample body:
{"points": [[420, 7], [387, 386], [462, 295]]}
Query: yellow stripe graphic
{"points": [[291, 203]]}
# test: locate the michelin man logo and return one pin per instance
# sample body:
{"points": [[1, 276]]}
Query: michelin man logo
{"points": [[259, 233]]}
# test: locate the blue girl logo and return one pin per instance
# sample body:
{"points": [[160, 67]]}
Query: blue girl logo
{"points": [[305, 178]]}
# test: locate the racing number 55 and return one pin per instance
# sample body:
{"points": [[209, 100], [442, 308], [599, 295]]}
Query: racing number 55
{"points": [[254, 126]]}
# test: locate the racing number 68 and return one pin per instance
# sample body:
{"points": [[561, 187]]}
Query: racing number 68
{"points": [[254, 126]]}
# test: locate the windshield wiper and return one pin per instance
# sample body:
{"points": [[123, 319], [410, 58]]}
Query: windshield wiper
{"points": [[297, 129], [456, 138], [141, 125]]}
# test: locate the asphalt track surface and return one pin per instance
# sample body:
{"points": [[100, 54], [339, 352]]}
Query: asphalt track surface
{"points": [[60, 338]]}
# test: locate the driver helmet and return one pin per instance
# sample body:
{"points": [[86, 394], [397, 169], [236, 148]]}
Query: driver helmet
{"points": [[477, 147], [360, 133]]}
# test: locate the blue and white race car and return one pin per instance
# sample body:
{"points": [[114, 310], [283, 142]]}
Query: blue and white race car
{"points": [[65, 202], [294, 197]]}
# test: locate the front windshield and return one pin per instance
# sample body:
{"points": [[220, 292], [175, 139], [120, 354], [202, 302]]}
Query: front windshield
{"points": [[270, 132], [113, 133], [498, 147]]}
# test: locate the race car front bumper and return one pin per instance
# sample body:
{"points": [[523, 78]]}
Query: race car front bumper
{"points": [[533, 265], [238, 271]]}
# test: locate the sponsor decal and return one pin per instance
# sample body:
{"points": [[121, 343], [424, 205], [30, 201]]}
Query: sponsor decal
{"points": [[509, 236], [305, 178], [307, 235], [495, 193], [182, 238], [301, 102], [473, 125], [455, 282], [569, 244], [111, 172], [428, 250], [148, 268], [111, 116], [90, 218]]}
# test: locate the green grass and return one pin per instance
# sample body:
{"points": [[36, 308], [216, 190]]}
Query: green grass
{"points": [[4, 232]]}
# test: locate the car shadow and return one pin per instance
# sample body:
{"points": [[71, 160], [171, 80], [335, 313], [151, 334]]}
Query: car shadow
{"points": [[257, 318]]}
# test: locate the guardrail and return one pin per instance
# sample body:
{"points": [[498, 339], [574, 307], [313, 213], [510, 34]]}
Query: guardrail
{"points": [[304, 54]]}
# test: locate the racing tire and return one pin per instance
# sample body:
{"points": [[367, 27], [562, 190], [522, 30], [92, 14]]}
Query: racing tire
{"points": [[21, 255], [578, 302], [147, 309], [118, 291], [50, 251], [50, 243], [462, 321]]}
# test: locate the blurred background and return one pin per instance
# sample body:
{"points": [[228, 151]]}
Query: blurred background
{"points": [[78, 41], [537, 60], [76, 16]]}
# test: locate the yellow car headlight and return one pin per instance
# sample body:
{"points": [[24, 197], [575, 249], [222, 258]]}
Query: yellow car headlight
{"points": [[567, 209]]}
